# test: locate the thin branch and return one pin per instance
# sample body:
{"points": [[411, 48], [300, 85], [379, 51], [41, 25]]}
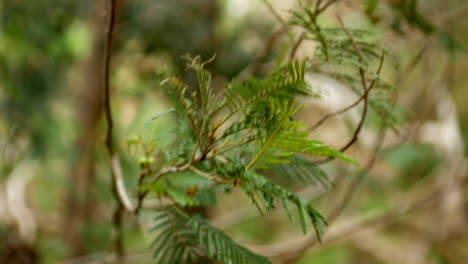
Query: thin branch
{"points": [[366, 104], [325, 6], [356, 48], [317, 6], [326, 117], [209, 176], [117, 177], [162, 172], [364, 97], [106, 69], [296, 45], [118, 186]]}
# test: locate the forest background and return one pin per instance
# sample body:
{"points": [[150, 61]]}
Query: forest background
{"points": [[406, 203]]}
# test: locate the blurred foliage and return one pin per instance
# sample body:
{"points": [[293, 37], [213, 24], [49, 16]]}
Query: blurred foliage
{"points": [[414, 161], [43, 44]]}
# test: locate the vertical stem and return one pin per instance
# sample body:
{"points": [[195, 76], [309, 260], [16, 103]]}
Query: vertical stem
{"points": [[115, 166]]}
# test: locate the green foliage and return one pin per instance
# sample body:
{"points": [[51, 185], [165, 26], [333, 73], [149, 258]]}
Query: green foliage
{"points": [[245, 133], [258, 188], [409, 12], [184, 239], [301, 170], [414, 161], [286, 81], [229, 140], [279, 138], [338, 254], [213, 137], [345, 58]]}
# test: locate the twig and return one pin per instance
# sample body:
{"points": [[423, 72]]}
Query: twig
{"points": [[326, 117], [366, 104], [317, 6], [118, 187], [296, 45], [364, 97], [325, 6], [162, 172]]}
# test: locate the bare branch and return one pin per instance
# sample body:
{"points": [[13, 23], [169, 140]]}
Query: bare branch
{"points": [[124, 202]]}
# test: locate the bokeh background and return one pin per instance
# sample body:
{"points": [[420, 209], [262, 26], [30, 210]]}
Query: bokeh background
{"points": [[409, 204]]}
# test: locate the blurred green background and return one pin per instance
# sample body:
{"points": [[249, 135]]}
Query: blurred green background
{"points": [[52, 135]]}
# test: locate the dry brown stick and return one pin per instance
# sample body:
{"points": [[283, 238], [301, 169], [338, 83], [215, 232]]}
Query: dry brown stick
{"points": [[116, 168], [118, 188]]}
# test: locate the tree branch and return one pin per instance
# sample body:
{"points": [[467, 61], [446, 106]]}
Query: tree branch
{"points": [[162, 172], [118, 187]]}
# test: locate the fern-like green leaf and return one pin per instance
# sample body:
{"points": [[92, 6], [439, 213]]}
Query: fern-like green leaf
{"points": [[287, 81], [282, 137], [301, 170], [184, 238], [265, 192]]}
